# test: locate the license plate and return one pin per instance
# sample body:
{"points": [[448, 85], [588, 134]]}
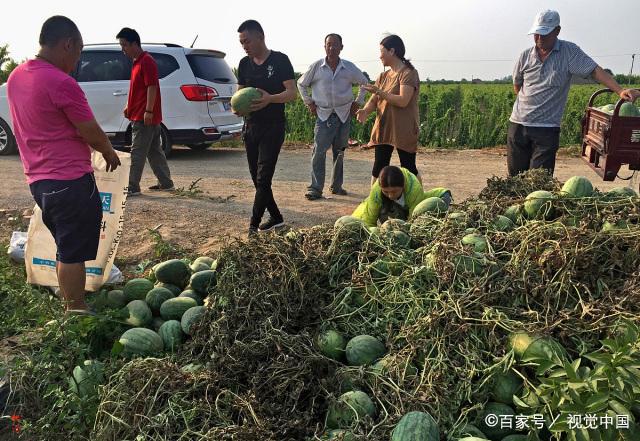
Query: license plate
{"points": [[226, 105]]}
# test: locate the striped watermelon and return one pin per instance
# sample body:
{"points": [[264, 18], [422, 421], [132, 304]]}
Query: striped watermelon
{"points": [[349, 408], [416, 426], [538, 205], [192, 295], [577, 187], [140, 341], [203, 282], [364, 350], [137, 289], [190, 317], [139, 313], [331, 344], [434, 206], [171, 334], [174, 271], [156, 297], [173, 309]]}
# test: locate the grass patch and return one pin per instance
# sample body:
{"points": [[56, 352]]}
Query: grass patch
{"points": [[22, 307]]}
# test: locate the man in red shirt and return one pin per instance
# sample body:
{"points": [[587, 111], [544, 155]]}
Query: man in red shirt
{"points": [[144, 110], [56, 130]]}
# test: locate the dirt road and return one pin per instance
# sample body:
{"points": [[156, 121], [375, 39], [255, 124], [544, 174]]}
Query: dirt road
{"points": [[200, 224]]}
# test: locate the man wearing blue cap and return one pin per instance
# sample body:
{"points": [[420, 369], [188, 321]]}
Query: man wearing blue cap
{"points": [[541, 80]]}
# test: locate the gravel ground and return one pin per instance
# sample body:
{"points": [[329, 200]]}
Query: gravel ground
{"points": [[221, 211]]}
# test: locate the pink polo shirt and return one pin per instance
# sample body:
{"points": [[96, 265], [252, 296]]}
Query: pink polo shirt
{"points": [[43, 101]]}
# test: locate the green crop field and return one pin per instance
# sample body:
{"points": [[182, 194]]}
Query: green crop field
{"points": [[468, 115]]}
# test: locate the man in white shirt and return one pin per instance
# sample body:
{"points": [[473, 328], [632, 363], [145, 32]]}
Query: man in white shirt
{"points": [[327, 91]]}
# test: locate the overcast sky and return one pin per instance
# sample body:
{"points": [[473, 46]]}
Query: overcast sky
{"points": [[450, 39]]}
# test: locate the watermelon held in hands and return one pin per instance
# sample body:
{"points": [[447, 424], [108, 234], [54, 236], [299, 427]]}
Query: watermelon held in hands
{"points": [[349, 408], [242, 99], [364, 350], [416, 426]]}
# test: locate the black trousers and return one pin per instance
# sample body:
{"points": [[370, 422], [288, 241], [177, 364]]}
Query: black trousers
{"points": [[383, 154], [531, 147], [263, 142]]}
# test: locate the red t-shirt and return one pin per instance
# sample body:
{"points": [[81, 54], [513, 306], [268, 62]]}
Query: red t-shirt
{"points": [[44, 103], [143, 74]]}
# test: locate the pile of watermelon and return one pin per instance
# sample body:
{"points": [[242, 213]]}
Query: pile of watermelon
{"points": [[626, 109], [161, 309], [418, 330]]}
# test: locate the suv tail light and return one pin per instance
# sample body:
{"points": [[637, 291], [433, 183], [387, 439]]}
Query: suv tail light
{"points": [[196, 92]]}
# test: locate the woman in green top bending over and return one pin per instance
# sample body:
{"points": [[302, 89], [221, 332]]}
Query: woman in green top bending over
{"points": [[394, 196]]}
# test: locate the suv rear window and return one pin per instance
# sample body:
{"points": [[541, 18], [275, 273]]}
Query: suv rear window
{"points": [[210, 68], [166, 64], [102, 66]]}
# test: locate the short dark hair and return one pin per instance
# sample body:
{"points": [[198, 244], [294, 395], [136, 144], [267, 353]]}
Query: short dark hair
{"points": [[333, 35], [131, 35], [251, 25], [57, 28], [391, 176]]}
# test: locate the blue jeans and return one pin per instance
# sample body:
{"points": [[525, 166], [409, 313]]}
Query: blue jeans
{"points": [[330, 133]]}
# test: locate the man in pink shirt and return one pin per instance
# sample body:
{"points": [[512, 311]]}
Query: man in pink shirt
{"points": [[55, 131]]}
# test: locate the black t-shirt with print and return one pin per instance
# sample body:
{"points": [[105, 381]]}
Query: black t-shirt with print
{"points": [[267, 76]]}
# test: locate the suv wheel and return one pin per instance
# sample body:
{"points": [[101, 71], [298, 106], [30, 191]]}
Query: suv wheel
{"points": [[165, 141], [7, 141]]}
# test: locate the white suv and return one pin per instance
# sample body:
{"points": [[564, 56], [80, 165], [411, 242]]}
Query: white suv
{"points": [[196, 87]]}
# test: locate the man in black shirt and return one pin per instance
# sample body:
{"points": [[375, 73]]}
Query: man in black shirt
{"points": [[272, 73]]}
